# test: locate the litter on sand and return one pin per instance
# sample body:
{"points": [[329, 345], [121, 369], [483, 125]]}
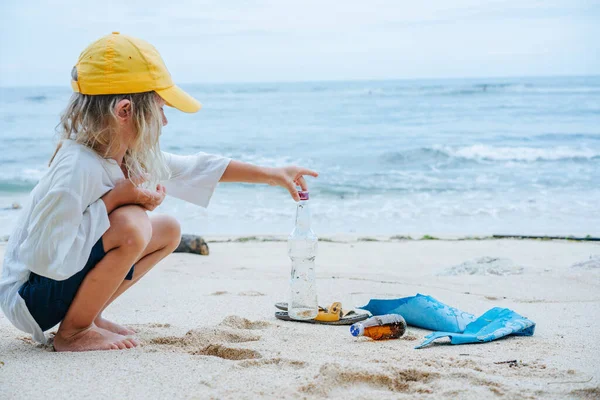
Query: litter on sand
{"points": [[461, 327]]}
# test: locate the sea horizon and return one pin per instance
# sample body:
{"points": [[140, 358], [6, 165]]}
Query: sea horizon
{"points": [[325, 80]]}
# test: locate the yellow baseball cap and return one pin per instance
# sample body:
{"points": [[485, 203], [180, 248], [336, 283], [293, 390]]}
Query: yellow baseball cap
{"points": [[120, 64]]}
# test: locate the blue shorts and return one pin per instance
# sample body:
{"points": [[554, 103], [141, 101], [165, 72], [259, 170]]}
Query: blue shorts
{"points": [[48, 300]]}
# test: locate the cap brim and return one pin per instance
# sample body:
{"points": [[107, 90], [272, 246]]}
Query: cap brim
{"points": [[177, 98]]}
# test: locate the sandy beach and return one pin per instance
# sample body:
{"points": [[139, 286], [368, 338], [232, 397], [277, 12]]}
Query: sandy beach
{"points": [[208, 331]]}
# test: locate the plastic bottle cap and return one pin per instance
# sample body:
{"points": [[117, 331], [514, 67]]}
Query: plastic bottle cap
{"points": [[357, 330], [303, 194]]}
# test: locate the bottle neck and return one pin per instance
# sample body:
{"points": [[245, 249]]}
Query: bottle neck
{"points": [[303, 216]]}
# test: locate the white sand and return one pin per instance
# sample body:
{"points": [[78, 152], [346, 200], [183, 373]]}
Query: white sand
{"points": [[195, 293]]}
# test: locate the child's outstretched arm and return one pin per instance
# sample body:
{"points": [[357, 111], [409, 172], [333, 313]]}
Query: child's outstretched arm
{"points": [[288, 177], [194, 178]]}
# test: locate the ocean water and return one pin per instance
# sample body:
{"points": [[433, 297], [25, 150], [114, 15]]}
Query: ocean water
{"points": [[445, 157]]}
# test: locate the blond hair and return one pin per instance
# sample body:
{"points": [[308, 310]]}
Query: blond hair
{"points": [[90, 120]]}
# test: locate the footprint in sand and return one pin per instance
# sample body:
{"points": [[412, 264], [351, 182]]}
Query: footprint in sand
{"points": [[158, 325], [485, 374], [211, 341], [201, 336], [276, 362], [237, 322], [395, 380], [228, 353]]}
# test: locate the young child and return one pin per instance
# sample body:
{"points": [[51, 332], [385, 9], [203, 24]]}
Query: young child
{"points": [[84, 237]]}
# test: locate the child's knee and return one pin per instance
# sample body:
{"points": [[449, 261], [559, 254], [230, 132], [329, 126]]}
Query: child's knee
{"points": [[172, 232], [132, 227]]}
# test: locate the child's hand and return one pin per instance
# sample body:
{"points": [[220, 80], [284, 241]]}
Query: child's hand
{"points": [[290, 178], [151, 199], [126, 192]]}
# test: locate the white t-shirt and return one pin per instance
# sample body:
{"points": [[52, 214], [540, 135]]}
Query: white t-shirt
{"points": [[64, 217]]}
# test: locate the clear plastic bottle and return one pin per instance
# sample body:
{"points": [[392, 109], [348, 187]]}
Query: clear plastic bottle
{"points": [[381, 327], [302, 249]]}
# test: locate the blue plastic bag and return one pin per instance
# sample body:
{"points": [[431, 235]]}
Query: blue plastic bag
{"points": [[494, 324]]}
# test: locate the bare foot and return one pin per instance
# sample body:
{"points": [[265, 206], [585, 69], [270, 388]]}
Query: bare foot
{"points": [[91, 338], [113, 327]]}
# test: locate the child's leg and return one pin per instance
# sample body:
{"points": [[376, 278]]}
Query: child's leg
{"points": [[166, 235], [124, 243]]}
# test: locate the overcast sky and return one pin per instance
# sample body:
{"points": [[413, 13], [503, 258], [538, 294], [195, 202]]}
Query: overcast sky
{"points": [[299, 40]]}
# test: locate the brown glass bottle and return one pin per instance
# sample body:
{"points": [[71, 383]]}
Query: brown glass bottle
{"points": [[381, 327]]}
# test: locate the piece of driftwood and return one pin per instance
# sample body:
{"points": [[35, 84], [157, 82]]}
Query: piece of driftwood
{"points": [[192, 244]]}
